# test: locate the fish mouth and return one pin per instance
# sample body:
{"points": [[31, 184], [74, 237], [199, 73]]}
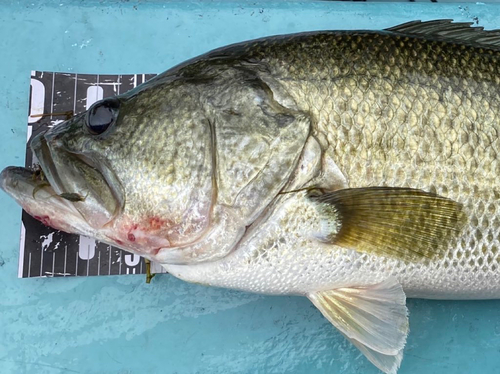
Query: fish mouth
{"points": [[44, 204], [71, 193]]}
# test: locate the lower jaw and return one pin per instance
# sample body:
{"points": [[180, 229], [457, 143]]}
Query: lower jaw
{"points": [[38, 199], [19, 182]]}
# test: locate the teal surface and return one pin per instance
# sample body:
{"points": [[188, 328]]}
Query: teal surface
{"points": [[120, 324]]}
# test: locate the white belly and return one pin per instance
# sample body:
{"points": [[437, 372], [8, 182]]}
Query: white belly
{"points": [[281, 256]]}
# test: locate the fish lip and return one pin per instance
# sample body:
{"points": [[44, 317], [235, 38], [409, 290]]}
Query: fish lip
{"points": [[38, 145], [43, 146], [43, 203], [19, 183], [7, 179]]}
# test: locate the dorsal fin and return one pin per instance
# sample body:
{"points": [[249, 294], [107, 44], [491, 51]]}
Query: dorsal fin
{"points": [[445, 29]]}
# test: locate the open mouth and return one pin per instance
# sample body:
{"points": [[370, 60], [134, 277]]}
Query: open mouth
{"points": [[48, 172], [39, 199], [66, 183]]}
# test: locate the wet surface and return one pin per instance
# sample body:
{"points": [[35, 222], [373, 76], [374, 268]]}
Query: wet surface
{"points": [[120, 324]]}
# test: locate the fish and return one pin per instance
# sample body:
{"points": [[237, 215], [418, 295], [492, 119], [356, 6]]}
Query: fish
{"points": [[354, 168]]}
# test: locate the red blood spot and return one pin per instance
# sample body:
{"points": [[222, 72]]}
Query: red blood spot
{"points": [[131, 237], [155, 223], [45, 220], [119, 242]]}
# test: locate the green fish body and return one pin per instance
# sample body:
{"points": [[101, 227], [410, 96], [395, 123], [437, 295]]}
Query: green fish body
{"points": [[356, 168]]}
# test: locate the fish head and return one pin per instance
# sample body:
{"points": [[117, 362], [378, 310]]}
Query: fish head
{"points": [[174, 171]]}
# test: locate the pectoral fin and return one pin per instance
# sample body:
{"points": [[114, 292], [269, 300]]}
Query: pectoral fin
{"points": [[373, 318], [404, 223]]}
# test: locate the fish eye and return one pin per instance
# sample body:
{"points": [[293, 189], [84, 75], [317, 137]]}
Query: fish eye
{"points": [[102, 115]]}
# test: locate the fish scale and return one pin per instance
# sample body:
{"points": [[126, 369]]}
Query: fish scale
{"points": [[439, 148], [356, 168], [413, 113]]}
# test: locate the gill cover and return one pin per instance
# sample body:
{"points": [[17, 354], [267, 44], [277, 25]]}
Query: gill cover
{"points": [[257, 143]]}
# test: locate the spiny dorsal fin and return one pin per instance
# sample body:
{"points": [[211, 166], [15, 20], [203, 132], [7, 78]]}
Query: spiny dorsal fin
{"points": [[403, 223], [445, 29]]}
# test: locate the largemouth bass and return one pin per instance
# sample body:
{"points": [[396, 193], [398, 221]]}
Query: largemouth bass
{"points": [[356, 168]]}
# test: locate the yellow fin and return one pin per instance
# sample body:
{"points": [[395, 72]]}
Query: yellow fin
{"points": [[374, 318], [403, 223]]}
